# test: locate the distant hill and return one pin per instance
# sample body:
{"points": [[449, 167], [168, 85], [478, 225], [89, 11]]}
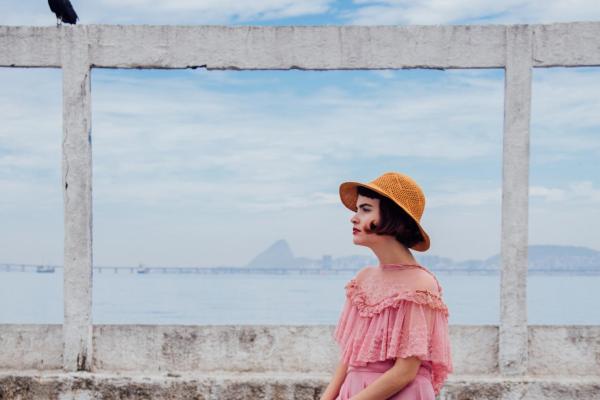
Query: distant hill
{"points": [[548, 257], [279, 255], [540, 257]]}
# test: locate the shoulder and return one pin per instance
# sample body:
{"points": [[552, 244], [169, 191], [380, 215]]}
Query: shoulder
{"points": [[426, 280], [359, 279], [364, 272]]}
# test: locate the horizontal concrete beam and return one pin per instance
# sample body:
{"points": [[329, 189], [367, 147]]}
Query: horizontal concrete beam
{"points": [[568, 351], [566, 45], [29, 46], [325, 47], [304, 47]]}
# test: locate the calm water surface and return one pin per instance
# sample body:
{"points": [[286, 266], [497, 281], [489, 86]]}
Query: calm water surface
{"points": [[130, 298]]}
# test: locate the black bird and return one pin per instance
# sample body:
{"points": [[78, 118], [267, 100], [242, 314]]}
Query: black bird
{"points": [[64, 11]]}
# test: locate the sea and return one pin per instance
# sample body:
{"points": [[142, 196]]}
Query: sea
{"points": [[289, 299]]}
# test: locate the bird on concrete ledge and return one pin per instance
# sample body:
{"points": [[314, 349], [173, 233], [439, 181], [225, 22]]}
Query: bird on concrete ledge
{"points": [[64, 11]]}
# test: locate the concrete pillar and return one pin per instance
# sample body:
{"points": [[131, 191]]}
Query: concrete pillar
{"points": [[515, 192], [77, 186]]}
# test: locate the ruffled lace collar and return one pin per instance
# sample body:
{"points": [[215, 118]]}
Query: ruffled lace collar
{"points": [[373, 290]]}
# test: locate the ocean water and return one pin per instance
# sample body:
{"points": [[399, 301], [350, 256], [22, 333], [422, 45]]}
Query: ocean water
{"points": [[131, 298]]}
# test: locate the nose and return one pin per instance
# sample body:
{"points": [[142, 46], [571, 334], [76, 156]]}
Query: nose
{"points": [[354, 219]]}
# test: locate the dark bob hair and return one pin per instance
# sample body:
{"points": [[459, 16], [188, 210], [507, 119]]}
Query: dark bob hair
{"points": [[394, 220]]}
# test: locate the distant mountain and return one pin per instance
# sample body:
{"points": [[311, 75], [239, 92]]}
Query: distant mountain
{"points": [[279, 255], [540, 257], [554, 257]]}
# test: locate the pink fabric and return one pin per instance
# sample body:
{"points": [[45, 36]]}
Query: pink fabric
{"points": [[395, 311], [359, 378]]}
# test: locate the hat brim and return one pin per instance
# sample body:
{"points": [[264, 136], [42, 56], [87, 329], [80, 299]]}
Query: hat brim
{"points": [[349, 195]]}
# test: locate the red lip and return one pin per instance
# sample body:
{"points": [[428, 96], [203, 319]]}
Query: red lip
{"points": [[355, 230]]}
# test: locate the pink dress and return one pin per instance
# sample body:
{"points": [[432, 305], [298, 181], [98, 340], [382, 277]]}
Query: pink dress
{"points": [[391, 311]]}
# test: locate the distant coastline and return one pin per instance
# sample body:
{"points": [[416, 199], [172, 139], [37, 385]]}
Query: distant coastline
{"points": [[279, 259], [277, 271]]}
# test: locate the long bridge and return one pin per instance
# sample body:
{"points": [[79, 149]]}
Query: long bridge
{"points": [[281, 271], [182, 270]]}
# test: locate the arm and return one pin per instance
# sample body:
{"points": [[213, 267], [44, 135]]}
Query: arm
{"points": [[392, 381], [336, 382]]}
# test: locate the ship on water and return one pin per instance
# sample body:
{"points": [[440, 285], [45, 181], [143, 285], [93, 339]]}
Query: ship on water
{"points": [[142, 270], [45, 269]]}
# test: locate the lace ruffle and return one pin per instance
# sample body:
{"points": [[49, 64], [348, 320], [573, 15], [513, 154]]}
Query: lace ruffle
{"points": [[360, 300], [400, 325]]}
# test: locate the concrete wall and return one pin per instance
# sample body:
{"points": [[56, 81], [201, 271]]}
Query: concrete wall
{"points": [[572, 351], [512, 353], [275, 362]]}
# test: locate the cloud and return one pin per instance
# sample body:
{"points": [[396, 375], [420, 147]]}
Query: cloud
{"points": [[29, 12], [222, 10], [186, 147], [359, 12], [465, 198], [290, 202], [566, 111], [279, 134], [579, 192], [431, 12], [155, 135]]}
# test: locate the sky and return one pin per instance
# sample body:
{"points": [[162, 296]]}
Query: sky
{"points": [[207, 168]]}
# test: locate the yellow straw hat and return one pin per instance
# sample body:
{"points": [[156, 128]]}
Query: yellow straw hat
{"points": [[399, 188]]}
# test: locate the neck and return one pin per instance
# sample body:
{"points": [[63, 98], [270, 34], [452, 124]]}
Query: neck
{"points": [[390, 251]]}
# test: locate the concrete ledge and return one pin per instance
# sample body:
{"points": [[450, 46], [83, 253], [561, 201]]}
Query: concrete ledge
{"points": [[553, 349], [218, 385], [270, 386], [239, 348]]}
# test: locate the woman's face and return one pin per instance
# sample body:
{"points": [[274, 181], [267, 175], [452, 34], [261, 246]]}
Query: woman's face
{"points": [[367, 212]]}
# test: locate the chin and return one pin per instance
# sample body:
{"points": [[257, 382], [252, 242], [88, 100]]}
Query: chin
{"points": [[357, 242]]}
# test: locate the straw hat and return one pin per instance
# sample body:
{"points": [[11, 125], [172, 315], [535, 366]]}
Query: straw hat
{"points": [[399, 188]]}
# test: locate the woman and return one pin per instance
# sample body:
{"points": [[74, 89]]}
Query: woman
{"points": [[393, 329]]}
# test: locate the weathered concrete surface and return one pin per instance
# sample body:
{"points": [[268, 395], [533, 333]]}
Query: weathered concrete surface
{"points": [[523, 387], [29, 46], [250, 47], [272, 385], [567, 351], [307, 47], [564, 350], [77, 200], [216, 386], [30, 346], [567, 45], [275, 362], [214, 348], [515, 202], [474, 349]]}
